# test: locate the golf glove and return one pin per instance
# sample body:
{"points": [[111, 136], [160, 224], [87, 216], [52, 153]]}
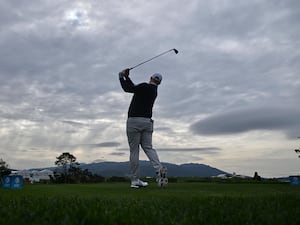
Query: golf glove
{"points": [[124, 73], [121, 75]]}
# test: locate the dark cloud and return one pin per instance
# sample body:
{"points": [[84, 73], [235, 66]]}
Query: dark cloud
{"points": [[98, 145], [204, 150], [92, 146], [117, 154], [74, 123], [106, 144], [237, 121]]}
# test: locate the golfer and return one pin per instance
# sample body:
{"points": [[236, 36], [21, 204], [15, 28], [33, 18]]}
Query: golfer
{"points": [[140, 126]]}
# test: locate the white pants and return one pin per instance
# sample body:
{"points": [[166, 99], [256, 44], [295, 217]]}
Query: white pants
{"points": [[139, 132]]}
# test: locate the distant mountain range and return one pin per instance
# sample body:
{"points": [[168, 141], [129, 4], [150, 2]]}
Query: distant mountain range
{"points": [[121, 169]]}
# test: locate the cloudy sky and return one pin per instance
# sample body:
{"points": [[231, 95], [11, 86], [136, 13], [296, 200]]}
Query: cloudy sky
{"points": [[229, 99]]}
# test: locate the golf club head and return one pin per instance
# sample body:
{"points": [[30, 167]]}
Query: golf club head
{"points": [[175, 50]]}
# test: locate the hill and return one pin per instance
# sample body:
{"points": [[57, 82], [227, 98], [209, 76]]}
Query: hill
{"points": [[109, 169]]}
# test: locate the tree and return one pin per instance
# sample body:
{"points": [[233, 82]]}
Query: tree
{"points": [[256, 176], [72, 173], [66, 159], [4, 170], [67, 162]]}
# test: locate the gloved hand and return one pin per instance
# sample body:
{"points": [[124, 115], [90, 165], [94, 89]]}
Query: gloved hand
{"points": [[124, 73]]}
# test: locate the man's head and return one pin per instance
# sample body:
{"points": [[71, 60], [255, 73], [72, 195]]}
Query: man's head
{"points": [[156, 78]]}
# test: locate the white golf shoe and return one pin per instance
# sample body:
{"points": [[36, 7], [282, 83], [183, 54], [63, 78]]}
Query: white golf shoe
{"points": [[138, 183], [162, 180]]}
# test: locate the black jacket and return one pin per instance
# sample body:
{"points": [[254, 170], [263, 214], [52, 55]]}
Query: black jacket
{"points": [[143, 99]]}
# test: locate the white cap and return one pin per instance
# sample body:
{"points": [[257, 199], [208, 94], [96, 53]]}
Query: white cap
{"points": [[157, 77]]}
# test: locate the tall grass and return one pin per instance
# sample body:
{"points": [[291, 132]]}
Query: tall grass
{"points": [[180, 203]]}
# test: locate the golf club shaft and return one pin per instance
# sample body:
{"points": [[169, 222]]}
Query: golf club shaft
{"points": [[153, 58]]}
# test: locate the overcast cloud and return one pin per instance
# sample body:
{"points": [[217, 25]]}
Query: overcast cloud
{"points": [[230, 97]]}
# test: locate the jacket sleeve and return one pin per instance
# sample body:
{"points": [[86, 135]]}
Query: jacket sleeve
{"points": [[127, 84]]}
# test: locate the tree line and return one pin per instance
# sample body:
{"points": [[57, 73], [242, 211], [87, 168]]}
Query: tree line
{"points": [[67, 171]]}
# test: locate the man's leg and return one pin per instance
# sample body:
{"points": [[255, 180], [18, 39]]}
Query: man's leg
{"points": [[134, 137], [146, 143]]}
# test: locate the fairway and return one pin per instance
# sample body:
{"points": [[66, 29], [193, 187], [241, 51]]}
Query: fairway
{"points": [[180, 203]]}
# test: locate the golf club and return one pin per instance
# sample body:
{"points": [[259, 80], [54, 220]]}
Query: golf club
{"points": [[175, 50]]}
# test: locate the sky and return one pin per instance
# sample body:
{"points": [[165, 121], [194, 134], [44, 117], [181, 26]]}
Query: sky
{"points": [[228, 99]]}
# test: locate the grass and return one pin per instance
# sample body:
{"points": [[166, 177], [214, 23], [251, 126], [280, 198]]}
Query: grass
{"points": [[180, 203]]}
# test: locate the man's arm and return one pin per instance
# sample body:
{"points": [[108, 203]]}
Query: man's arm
{"points": [[126, 82]]}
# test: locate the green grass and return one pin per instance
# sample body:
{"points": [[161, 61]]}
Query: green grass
{"points": [[180, 203]]}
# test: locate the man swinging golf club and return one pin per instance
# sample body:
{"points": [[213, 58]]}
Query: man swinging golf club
{"points": [[140, 126]]}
